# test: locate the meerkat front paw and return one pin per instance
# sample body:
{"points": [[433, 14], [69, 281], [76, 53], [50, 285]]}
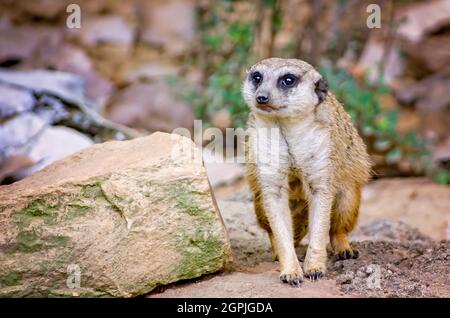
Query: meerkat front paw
{"points": [[315, 265], [342, 248], [316, 273], [349, 253], [293, 277]]}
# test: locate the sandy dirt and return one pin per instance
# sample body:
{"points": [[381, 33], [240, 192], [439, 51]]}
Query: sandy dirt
{"points": [[401, 254]]}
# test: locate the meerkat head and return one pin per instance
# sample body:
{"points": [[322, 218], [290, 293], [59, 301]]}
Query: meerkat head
{"points": [[283, 87]]}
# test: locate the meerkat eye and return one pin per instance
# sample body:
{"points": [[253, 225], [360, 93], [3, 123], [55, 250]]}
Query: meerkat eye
{"points": [[287, 80], [256, 78]]}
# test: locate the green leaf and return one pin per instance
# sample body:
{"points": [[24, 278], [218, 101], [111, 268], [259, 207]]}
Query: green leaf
{"points": [[442, 177]]}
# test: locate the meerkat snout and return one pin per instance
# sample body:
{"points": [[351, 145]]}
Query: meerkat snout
{"points": [[262, 99], [262, 102]]}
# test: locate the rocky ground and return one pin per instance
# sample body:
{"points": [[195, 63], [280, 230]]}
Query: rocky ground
{"points": [[402, 239]]}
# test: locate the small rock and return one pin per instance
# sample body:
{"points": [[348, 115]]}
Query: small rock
{"points": [[104, 30], [441, 154], [66, 86], [250, 242], [14, 100], [346, 278], [72, 59], [373, 55], [52, 144], [18, 131], [47, 9], [415, 23], [20, 43], [429, 93], [224, 173], [160, 31], [360, 274], [98, 87], [29, 136], [219, 172], [430, 55], [11, 166], [388, 230], [150, 72], [151, 107], [391, 199]]}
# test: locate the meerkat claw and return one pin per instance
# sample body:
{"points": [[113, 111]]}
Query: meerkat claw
{"points": [[315, 276], [295, 282], [347, 254], [291, 280]]}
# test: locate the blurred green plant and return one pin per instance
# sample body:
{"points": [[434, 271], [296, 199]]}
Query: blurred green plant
{"points": [[378, 126], [442, 177], [226, 48]]}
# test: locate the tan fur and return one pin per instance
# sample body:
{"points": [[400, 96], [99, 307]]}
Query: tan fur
{"points": [[316, 186]]}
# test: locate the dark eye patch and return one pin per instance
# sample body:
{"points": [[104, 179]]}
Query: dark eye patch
{"points": [[288, 81], [256, 78]]}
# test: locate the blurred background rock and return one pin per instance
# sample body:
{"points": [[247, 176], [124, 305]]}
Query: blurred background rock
{"points": [[135, 67]]}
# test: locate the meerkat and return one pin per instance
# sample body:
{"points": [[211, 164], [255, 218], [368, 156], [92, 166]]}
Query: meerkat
{"points": [[315, 184]]}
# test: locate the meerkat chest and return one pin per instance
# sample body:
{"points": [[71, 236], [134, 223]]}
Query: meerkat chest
{"points": [[308, 146], [299, 145]]}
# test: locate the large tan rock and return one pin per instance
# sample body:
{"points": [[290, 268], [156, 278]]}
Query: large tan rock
{"points": [[130, 215]]}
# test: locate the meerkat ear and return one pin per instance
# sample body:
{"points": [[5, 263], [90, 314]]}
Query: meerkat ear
{"points": [[321, 89]]}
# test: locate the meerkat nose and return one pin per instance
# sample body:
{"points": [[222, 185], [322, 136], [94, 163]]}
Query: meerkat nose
{"points": [[262, 99]]}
